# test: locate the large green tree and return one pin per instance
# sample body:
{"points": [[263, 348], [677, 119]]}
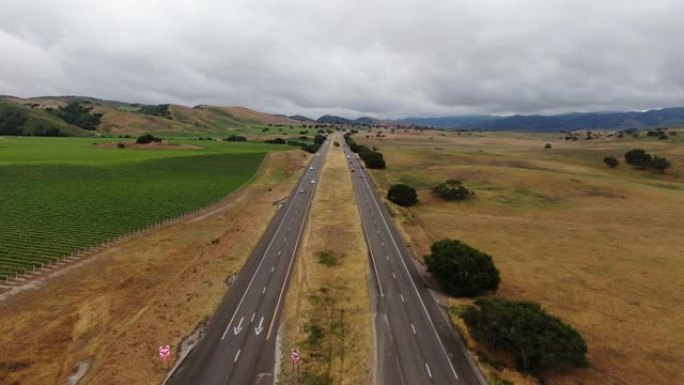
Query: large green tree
{"points": [[402, 194], [462, 270], [538, 339]]}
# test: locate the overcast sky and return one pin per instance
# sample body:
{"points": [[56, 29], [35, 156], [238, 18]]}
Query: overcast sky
{"points": [[352, 58]]}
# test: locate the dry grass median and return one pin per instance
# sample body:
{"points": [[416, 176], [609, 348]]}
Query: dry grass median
{"points": [[328, 312]]}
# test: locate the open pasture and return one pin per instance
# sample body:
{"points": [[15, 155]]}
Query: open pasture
{"points": [[600, 248]]}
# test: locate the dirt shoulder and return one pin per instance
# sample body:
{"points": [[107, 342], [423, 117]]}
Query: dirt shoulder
{"points": [[328, 311], [145, 292]]}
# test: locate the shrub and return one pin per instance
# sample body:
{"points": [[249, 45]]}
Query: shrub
{"points": [[462, 270], [660, 163], [403, 195], [452, 189], [120, 145], [145, 139], [611, 161], [638, 158], [537, 339], [275, 141], [547, 145], [236, 138]]}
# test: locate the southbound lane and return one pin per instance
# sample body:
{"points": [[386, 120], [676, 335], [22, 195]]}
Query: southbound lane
{"points": [[238, 344]]}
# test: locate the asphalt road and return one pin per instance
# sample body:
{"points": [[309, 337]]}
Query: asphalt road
{"points": [[415, 343], [238, 344]]}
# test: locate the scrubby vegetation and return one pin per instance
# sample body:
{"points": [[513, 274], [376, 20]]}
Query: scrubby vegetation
{"points": [[235, 138], [641, 159], [161, 110], [462, 270], [147, 138], [452, 189], [537, 339], [611, 161]]}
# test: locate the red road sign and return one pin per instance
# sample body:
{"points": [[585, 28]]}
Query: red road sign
{"points": [[164, 352]]}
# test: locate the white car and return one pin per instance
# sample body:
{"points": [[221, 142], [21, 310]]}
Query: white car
{"points": [[348, 157], [313, 181], [311, 168], [301, 190]]}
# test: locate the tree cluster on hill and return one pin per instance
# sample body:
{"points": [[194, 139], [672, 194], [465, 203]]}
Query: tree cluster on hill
{"points": [[642, 159], [12, 122], [79, 115], [372, 158], [452, 189], [537, 339], [147, 138], [161, 110], [462, 270], [402, 194], [275, 141], [235, 138]]}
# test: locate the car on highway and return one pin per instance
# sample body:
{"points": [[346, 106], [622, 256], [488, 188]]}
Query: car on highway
{"points": [[311, 168], [313, 181], [348, 157], [301, 190]]}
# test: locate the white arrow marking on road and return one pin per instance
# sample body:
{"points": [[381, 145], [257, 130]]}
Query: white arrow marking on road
{"points": [[238, 328], [260, 328], [237, 355], [412, 327]]}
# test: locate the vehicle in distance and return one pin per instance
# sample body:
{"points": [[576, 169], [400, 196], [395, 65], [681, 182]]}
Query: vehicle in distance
{"points": [[301, 190], [311, 168], [348, 157], [313, 181]]}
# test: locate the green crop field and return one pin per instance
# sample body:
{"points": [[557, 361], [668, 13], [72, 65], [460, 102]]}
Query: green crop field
{"points": [[59, 195]]}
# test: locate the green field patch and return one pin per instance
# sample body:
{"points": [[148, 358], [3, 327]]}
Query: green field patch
{"points": [[50, 209]]}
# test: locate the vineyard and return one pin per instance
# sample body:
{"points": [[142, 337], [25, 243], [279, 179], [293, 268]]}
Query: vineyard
{"points": [[52, 209]]}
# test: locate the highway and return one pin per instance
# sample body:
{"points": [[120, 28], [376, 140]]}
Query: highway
{"points": [[415, 343], [238, 343]]}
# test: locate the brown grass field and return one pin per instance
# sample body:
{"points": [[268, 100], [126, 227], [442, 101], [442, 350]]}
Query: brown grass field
{"points": [[600, 248], [327, 311], [152, 290]]}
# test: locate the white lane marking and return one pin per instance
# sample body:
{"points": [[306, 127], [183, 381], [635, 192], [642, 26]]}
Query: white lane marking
{"points": [[280, 252], [377, 231], [428, 370], [387, 257], [394, 276], [263, 257], [263, 291], [413, 328], [252, 320], [272, 268], [284, 239], [237, 355], [289, 267], [434, 329], [238, 328], [382, 243], [402, 298], [259, 328]]}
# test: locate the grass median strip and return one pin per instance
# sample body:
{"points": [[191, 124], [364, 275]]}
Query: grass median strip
{"points": [[328, 311]]}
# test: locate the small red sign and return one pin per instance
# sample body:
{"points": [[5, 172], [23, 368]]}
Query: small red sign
{"points": [[164, 352]]}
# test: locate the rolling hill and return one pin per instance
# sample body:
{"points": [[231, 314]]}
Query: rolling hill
{"points": [[49, 116]]}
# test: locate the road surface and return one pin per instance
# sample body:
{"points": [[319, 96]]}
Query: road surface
{"points": [[238, 344], [415, 344]]}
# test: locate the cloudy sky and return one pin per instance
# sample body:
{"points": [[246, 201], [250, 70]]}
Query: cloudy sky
{"points": [[361, 57]]}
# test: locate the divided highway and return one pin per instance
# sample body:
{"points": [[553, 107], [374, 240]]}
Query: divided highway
{"points": [[238, 344], [414, 342]]}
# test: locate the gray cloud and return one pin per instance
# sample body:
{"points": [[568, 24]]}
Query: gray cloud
{"points": [[380, 58]]}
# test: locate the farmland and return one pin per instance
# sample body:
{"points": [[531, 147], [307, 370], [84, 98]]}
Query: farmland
{"points": [[64, 194], [598, 247]]}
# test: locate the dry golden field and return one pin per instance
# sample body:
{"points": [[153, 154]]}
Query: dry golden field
{"points": [[328, 311], [601, 248], [155, 289]]}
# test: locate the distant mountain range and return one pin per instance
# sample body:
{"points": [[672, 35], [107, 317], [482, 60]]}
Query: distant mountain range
{"points": [[573, 121]]}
